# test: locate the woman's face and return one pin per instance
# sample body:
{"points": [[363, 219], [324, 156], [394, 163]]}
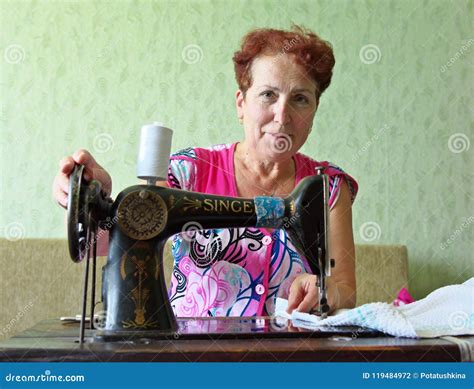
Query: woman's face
{"points": [[279, 107]]}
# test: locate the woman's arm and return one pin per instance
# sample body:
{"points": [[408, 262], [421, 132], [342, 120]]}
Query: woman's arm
{"points": [[342, 282], [341, 285]]}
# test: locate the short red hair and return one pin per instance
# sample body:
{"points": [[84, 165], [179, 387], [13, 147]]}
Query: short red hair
{"points": [[309, 50]]}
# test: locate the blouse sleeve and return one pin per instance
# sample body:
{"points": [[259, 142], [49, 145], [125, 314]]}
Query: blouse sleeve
{"points": [[336, 177], [182, 170]]}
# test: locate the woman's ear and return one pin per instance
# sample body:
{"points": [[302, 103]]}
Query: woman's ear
{"points": [[239, 102]]}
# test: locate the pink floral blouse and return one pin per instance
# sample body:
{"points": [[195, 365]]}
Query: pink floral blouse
{"points": [[234, 271]]}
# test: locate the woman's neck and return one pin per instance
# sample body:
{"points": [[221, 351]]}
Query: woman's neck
{"points": [[249, 159], [257, 177]]}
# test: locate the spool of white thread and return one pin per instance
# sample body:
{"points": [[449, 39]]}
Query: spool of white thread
{"points": [[154, 153]]}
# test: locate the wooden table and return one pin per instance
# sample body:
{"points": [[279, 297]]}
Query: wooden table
{"points": [[54, 341]]}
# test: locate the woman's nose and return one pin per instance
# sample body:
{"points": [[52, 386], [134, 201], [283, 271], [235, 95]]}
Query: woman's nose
{"points": [[282, 113]]}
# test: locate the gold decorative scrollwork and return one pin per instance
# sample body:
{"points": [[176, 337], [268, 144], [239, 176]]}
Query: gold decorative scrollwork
{"points": [[191, 203], [142, 215], [140, 294], [171, 201]]}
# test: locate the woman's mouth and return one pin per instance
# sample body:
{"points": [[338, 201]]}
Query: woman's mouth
{"points": [[279, 135], [279, 142]]}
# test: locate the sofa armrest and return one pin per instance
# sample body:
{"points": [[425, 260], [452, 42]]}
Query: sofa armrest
{"points": [[381, 271]]}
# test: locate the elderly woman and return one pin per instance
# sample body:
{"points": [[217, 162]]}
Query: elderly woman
{"points": [[240, 272]]}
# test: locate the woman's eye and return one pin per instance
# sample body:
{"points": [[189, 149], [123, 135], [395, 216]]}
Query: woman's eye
{"points": [[301, 99], [267, 95]]}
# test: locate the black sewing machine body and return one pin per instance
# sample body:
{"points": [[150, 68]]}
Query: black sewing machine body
{"points": [[143, 217]]}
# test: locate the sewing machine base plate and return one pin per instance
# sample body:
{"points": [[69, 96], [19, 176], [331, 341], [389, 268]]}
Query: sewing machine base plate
{"points": [[241, 328]]}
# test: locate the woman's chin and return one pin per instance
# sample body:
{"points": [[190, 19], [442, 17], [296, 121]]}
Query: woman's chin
{"points": [[277, 156], [278, 147], [278, 144]]}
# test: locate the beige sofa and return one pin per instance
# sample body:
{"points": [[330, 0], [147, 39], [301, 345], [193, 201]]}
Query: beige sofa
{"points": [[39, 281]]}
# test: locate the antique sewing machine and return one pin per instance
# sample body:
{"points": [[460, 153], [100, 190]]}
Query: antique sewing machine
{"points": [[143, 217]]}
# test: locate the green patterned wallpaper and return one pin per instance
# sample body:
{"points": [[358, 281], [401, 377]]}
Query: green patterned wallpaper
{"points": [[397, 115]]}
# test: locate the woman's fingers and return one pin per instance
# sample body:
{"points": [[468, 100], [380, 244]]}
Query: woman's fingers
{"points": [[83, 157], [303, 294], [92, 170], [80, 157], [62, 179], [62, 182], [62, 199], [61, 189], [295, 297], [309, 300], [66, 165]]}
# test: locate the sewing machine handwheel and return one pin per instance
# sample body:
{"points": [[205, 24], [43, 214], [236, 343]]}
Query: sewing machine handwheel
{"points": [[77, 213]]}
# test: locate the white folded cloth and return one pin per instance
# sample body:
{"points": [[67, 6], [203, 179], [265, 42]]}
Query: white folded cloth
{"points": [[446, 311]]}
